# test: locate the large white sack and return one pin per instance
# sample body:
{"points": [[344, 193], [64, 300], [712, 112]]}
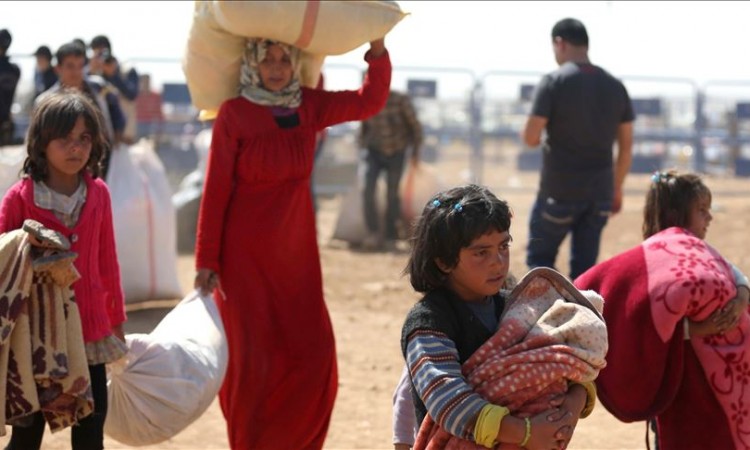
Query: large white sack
{"points": [[11, 163], [144, 222], [213, 58], [418, 185], [327, 28], [170, 376], [350, 223]]}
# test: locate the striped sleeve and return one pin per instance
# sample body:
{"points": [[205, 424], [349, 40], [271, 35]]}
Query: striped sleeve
{"points": [[436, 372]]}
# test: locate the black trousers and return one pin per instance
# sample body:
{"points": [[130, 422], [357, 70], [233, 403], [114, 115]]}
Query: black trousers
{"points": [[87, 435], [393, 166]]}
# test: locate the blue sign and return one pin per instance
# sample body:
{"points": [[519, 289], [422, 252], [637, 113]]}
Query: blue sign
{"points": [[527, 92], [743, 110], [422, 88], [177, 93], [650, 107]]}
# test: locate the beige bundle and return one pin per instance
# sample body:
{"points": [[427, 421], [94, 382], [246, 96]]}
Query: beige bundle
{"points": [[217, 38]]}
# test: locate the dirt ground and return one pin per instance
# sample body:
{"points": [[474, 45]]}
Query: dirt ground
{"points": [[368, 299]]}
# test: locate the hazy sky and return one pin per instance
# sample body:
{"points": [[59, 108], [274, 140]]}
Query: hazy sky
{"points": [[696, 40]]}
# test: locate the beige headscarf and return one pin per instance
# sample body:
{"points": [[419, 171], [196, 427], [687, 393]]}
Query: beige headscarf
{"points": [[251, 85]]}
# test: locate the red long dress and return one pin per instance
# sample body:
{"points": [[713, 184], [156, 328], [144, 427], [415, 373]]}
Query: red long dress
{"points": [[256, 229]]}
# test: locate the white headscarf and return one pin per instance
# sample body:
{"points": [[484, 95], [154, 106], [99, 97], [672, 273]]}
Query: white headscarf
{"points": [[251, 85]]}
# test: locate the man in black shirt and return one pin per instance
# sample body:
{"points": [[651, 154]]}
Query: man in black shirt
{"points": [[9, 76], [584, 110]]}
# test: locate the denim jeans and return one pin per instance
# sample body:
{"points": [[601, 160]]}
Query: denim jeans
{"points": [[88, 434], [552, 220], [393, 165]]}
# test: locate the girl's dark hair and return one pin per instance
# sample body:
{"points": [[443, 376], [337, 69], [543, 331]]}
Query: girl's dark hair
{"points": [[53, 118], [670, 197], [449, 222]]}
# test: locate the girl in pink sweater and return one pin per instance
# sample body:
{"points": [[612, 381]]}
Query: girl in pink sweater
{"points": [[61, 190]]}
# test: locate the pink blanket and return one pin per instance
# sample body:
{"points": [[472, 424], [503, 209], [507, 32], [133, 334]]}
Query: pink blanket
{"points": [[698, 391], [550, 334]]}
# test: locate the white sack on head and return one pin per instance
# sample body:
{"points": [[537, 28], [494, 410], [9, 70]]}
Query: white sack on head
{"points": [[216, 43], [170, 376], [212, 60], [325, 28]]}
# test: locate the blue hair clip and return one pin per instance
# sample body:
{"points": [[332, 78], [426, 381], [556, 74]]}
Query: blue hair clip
{"points": [[435, 203], [458, 207], [659, 176]]}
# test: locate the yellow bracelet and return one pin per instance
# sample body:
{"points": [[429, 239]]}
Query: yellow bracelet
{"points": [[528, 433]]}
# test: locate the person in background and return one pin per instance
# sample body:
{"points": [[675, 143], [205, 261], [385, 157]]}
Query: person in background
{"points": [[44, 72], [10, 73], [148, 110], [124, 78], [256, 218], [70, 59], [387, 137], [82, 44], [584, 110]]}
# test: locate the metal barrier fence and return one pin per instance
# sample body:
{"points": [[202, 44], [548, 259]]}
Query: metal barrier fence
{"points": [[479, 119]]}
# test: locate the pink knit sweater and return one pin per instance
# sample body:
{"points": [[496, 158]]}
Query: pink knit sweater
{"points": [[99, 291]]}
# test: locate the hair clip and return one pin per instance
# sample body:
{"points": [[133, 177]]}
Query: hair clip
{"points": [[435, 203], [458, 207], [659, 176]]}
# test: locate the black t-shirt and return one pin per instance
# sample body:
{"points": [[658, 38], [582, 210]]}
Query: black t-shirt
{"points": [[9, 75], [584, 105]]}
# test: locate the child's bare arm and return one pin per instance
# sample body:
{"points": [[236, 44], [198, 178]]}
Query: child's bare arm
{"points": [[722, 319], [545, 431]]}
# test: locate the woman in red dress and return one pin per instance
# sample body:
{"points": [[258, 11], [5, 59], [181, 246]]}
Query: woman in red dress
{"points": [[257, 246]]}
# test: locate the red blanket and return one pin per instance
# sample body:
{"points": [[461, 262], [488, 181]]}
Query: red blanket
{"points": [[550, 333], [697, 389]]}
